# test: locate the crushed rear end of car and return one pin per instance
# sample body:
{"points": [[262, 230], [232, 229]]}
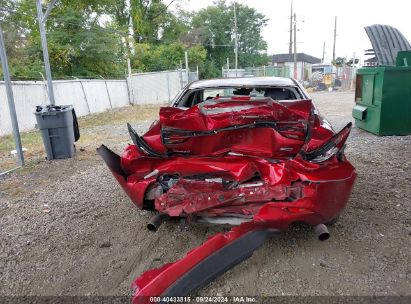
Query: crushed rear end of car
{"points": [[257, 164]]}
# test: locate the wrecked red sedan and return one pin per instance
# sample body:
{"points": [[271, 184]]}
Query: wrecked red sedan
{"points": [[249, 152]]}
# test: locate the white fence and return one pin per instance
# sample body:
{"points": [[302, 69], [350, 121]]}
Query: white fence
{"points": [[156, 87], [87, 96], [90, 96], [277, 71]]}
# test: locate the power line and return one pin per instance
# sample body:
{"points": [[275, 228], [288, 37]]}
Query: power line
{"points": [[82, 26]]}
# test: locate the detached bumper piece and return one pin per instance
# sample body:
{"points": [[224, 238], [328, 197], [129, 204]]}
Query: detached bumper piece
{"points": [[202, 265]]}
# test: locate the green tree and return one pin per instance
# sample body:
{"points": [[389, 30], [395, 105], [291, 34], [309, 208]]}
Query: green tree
{"points": [[151, 57], [216, 25], [14, 24], [152, 20], [79, 44], [89, 38]]}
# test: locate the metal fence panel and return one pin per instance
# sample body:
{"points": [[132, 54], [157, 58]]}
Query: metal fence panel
{"points": [[158, 87], [118, 93], [277, 71], [87, 97], [26, 95], [149, 88], [97, 96], [71, 92], [90, 96]]}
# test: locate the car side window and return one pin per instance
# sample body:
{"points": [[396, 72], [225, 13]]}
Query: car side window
{"points": [[189, 99]]}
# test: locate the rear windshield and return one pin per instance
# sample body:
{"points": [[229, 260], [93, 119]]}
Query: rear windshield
{"points": [[194, 97]]}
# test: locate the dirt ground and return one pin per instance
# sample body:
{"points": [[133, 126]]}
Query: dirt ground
{"points": [[68, 229]]}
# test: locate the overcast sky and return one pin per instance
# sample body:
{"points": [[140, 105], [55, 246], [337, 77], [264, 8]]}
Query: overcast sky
{"points": [[317, 23]]}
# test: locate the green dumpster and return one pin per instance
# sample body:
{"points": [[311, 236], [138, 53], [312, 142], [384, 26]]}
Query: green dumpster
{"points": [[383, 91], [383, 98]]}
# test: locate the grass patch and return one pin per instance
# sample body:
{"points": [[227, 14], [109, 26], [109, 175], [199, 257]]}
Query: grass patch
{"points": [[30, 140], [121, 115]]}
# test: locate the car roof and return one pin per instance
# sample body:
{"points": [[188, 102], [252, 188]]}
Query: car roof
{"points": [[242, 82]]}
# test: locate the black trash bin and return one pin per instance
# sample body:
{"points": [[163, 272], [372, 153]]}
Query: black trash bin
{"points": [[59, 129]]}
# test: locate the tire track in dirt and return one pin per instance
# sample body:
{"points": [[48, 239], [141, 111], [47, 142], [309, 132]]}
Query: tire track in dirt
{"points": [[137, 262]]}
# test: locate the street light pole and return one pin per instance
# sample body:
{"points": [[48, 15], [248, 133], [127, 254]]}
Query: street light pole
{"points": [[42, 21], [10, 99]]}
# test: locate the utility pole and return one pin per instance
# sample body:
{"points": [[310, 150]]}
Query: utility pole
{"points": [[128, 42], [42, 21], [352, 72], [10, 99], [322, 59], [186, 62], [290, 48], [335, 37], [235, 40], [130, 28], [295, 46]]}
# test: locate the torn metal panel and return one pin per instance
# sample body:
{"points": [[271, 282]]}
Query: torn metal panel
{"points": [[387, 41], [191, 196]]}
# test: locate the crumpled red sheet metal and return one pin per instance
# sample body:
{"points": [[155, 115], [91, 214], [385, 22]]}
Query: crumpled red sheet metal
{"points": [[267, 163], [262, 128]]}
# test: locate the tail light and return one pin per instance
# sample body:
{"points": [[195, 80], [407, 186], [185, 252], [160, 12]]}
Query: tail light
{"points": [[175, 139], [174, 136], [329, 149], [294, 130]]}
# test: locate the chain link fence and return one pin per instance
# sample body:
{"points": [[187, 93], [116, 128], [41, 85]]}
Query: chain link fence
{"points": [[277, 71], [158, 87], [342, 78], [89, 96]]}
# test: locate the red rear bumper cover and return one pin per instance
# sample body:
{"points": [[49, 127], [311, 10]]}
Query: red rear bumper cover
{"points": [[325, 201]]}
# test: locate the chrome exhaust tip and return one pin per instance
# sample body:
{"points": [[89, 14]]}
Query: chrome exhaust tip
{"points": [[321, 231], [155, 222]]}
